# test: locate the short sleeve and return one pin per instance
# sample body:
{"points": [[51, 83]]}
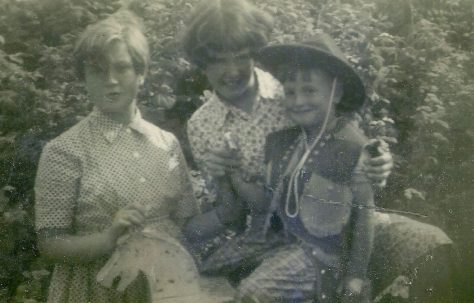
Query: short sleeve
{"points": [[56, 186], [187, 205]]}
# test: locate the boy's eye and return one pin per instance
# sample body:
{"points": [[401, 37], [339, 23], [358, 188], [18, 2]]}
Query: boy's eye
{"points": [[123, 67], [289, 92]]}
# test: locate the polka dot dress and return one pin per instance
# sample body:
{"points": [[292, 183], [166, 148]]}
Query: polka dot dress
{"points": [[90, 172]]}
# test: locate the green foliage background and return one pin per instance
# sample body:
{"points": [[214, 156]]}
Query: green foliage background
{"points": [[414, 55]]}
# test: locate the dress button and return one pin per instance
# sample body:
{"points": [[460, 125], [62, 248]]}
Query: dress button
{"points": [[323, 296], [323, 271], [136, 155], [142, 180]]}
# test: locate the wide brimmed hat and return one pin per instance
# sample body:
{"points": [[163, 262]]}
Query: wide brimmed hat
{"points": [[322, 52]]}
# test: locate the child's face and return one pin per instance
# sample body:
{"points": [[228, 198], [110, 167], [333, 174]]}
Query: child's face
{"points": [[113, 84], [307, 97], [230, 73]]}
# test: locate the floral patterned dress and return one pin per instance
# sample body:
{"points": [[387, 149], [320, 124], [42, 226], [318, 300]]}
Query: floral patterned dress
{"points": [[90, 172]]}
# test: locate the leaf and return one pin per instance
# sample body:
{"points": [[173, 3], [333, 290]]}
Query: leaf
{"points": [[440, 137], [40, 274], [441, 123], [16, 58], [4, 199], [411, 193]]}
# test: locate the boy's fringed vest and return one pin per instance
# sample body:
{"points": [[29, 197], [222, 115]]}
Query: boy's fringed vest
{"points": [[324, 191]]}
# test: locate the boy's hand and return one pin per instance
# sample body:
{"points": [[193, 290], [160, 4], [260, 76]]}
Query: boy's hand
{"points": [[354, 290], [380, 165]]}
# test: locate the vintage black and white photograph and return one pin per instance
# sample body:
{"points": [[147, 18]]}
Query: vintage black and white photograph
{"points": [[236, 151]]}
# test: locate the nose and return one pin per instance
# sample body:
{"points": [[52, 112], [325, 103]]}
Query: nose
{"points": [[231, 70], [299, 99], [111, 77]]}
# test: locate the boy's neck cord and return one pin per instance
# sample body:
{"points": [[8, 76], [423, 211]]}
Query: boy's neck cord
{"points": [[293, 183]]}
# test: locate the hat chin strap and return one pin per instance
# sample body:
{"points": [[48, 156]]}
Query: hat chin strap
{"points": [[293, 184]]}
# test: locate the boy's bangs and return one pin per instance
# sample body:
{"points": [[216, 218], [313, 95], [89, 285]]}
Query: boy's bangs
{"points": [[304, 64]]}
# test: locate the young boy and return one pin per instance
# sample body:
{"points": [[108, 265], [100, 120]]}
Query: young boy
{"points": [[315, 174], [316, 186]]}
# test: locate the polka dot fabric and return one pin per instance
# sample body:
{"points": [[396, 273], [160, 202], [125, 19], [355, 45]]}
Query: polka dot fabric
{"points": [[210, 122], [91, 171]]}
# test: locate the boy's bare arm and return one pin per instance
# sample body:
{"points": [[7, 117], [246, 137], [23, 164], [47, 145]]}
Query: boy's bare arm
{"points": [[252, 192], [211, 223]]}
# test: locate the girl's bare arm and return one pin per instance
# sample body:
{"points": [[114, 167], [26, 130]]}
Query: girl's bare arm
{"points": [[362, 232], [63, 247]]}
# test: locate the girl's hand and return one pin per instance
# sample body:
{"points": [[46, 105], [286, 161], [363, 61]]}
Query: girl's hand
{"points": [[217, 163], [131, 215]]}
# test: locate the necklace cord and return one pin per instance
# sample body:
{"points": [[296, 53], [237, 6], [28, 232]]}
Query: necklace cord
{"points": [[293, 183]]}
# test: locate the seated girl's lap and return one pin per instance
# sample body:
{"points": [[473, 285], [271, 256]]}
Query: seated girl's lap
{"points": [[401, 246], [400, 241]]}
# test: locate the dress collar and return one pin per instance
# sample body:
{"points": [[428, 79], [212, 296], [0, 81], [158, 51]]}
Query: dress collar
{"points": [[111, 129]]}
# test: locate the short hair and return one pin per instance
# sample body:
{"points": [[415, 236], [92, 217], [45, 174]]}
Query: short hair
{"points": [[225, 25], [288, 72], [122, 26]]}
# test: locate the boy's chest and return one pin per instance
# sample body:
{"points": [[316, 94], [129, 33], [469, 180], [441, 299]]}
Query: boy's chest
{"points": [[322, 203]]}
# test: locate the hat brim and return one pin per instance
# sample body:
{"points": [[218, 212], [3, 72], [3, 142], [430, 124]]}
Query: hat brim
{"points": [[303, 56]]}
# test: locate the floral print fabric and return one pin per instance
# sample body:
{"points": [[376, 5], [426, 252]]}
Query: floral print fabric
{"points": [[209, 124]]}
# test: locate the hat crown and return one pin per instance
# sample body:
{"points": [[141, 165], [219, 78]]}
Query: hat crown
{"points": [[324, 43], [320, 51]]}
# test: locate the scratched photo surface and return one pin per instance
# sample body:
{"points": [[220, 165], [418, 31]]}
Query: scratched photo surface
{"points": [[236, 151]]}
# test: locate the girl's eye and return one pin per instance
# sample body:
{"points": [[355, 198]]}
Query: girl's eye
{"points": [[309, 90], [94, 69]]}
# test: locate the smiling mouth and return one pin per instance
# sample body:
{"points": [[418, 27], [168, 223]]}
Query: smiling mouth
{"points": [[112, 96], [232, 82], [300, 111]]}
